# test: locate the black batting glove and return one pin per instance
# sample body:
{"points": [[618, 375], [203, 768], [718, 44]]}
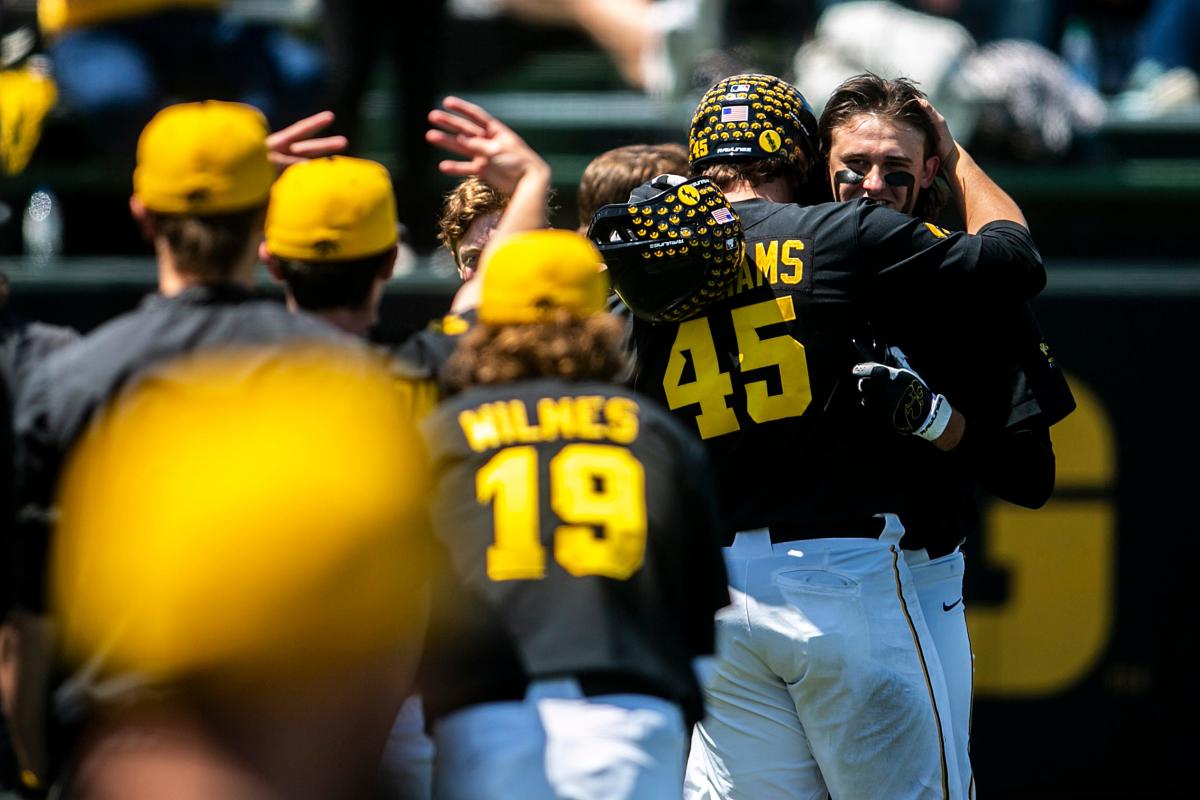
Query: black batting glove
{"points": [[896, 392]]}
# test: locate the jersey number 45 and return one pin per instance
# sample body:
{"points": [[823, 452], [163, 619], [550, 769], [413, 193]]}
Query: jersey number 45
{"points": [[712, 387]]}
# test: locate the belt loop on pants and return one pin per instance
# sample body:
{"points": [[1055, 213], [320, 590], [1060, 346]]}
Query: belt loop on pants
{"points": [[893, 530], [750, 544]]}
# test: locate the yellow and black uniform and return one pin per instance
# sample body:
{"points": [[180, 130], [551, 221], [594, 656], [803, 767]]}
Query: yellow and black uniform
{"points": [[764, 376], [582, 541]]}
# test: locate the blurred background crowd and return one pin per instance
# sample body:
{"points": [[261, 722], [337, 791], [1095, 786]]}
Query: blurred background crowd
{"points": [[1064, 83]]}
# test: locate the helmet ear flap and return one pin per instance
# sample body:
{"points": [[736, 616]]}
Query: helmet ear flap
{"points": [[670, 253]]}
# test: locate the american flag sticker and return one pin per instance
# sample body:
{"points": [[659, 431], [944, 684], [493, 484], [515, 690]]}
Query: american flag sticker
{"points": [[722, 216], [735, 114]]}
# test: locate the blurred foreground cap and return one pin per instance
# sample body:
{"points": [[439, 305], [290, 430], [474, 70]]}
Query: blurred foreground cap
{"points": [[250, 513], [331, 209], [530, 275], [203, 158]]}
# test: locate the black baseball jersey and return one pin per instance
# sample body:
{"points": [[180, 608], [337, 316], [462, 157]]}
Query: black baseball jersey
{"points": [[764, 376], [581, 537], [994, 365], [60, 397]]}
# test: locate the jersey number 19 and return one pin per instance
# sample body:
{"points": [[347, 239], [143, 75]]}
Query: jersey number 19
{"points": [[591, 486]]}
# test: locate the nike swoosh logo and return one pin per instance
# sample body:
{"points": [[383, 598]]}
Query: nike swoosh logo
{"points": [[947, 607]]}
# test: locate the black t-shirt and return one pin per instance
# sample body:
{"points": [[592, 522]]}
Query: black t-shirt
{"points": [[581, 539], [60, 396], [994, 365], [764, 376]]}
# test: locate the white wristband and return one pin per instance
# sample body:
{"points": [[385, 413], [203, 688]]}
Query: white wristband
{"points": [[938, 419]]}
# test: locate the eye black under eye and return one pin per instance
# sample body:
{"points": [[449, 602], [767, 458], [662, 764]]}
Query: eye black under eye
{"points": [[848, 176]]}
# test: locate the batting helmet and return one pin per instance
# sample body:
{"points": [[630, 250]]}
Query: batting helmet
{"points": [[751, 117], [672, 250]]}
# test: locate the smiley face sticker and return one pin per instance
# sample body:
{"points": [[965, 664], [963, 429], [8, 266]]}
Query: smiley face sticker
{"points": [[769, 140], [689, 195]]}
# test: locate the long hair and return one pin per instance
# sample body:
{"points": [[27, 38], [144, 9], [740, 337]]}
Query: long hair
{"points": [[564, 347], [896, 100]]}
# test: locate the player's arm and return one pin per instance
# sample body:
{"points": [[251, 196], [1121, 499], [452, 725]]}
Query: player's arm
{"points": [[495, 153], [1016, 465], [893, 391], [980, 200]]}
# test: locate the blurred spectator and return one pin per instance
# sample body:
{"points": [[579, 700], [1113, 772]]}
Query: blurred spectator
{"points": [[358, 35], [652, 43], [119, 61], [1010, 97], [989, 20], [1165, 74]]}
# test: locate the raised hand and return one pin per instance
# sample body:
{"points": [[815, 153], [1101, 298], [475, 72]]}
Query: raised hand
{"points": [[296, 142], [492, 150]]}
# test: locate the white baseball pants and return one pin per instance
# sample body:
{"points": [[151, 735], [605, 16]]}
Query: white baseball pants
{"points": [[825, 680]]}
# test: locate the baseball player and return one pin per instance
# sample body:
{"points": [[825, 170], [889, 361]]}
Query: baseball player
{"points": [[470, 212], [201, 183], [884, 142], [824, 681], [583, 561], [240, 565]]}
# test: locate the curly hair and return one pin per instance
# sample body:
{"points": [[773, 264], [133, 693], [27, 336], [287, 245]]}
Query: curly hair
{"points": [[471, 199], [896, 100], [612, 175], [564, 347]]}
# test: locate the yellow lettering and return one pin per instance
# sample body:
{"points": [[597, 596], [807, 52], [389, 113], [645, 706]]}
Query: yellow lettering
{"points": [[480, 429], [766, 259], [520, 417], [622, 416], [793, 261], [745, 278], [1061, 561], [587, 417], [504, 423], [556, 418]]}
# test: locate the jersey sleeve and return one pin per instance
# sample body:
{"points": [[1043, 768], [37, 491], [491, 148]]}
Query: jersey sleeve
{"points": [[1040, 390], [907, 254]]}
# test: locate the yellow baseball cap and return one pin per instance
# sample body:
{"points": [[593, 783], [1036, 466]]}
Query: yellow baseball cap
{"points": [[243, 515], [331, 209], [203, 158], [529, 275]]}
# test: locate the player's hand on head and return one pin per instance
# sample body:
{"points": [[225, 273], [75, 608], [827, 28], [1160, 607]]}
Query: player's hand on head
{"points": [[894, 391], [489, 149], [947, 148], [297, 142]]}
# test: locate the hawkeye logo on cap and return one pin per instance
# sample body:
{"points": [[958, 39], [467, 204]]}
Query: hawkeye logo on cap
{"points": [[689, 195], [770, 141], [325, 248]]}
